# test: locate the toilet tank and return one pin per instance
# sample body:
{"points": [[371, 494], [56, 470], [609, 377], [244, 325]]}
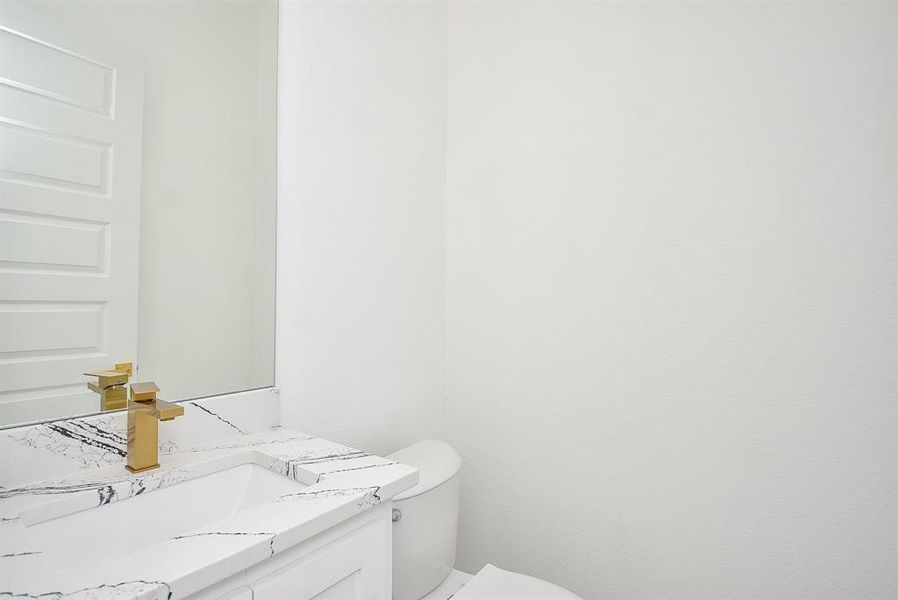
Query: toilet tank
{"points": [[425, 526]]}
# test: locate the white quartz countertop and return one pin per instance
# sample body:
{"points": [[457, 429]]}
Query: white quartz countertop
{"points": [[342, 482]]}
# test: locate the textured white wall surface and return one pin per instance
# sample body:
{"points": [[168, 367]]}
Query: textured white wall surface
{"points": [[672, 295], [668, 238], [361, 219]]}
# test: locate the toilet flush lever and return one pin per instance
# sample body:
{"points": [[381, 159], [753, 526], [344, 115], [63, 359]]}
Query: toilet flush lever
{"points": [[397, 515]]}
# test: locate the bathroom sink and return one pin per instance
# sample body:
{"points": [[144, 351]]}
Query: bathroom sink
{"points": [[134, 523]]}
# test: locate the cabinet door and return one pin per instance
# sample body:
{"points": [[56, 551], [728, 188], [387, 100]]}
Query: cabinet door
{"points": [[241, 593], [353, 567]]}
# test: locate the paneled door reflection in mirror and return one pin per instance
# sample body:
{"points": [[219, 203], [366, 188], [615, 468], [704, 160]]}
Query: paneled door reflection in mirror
{"points": [[137, 199]]}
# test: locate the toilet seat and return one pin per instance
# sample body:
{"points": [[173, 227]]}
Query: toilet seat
{"points": [[492, 583]]}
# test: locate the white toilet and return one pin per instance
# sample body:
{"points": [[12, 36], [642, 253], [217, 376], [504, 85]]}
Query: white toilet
{"points": [[425, 520]]}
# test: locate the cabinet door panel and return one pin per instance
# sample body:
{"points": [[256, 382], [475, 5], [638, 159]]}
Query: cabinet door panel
{"points": [[353, 567], [241, 593], [343, 589]]}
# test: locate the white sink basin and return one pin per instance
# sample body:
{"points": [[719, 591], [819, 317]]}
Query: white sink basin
{"points": [[110, 531]]}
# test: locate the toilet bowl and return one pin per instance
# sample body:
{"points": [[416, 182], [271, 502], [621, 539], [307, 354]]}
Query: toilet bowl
{"points": [[425, 525]]}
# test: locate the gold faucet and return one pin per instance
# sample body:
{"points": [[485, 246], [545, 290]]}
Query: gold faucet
{"points": [[111, 386], [144, 414]]}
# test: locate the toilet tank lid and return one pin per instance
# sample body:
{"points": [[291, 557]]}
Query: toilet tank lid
{"points": [[435, 460]]}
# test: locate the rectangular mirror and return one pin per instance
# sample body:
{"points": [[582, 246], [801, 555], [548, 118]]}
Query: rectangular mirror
{"points": [[137, 200]]}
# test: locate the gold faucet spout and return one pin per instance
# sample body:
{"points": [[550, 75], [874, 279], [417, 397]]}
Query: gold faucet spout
{"points": [[166, 411]]}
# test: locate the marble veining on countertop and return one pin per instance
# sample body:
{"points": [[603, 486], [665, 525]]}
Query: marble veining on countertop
{"points": [[342, 482]]}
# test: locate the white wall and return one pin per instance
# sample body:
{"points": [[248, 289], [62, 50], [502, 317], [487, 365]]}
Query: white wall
{"points": [[361, 226], [672, 295], [671, 279], [206, 299]]}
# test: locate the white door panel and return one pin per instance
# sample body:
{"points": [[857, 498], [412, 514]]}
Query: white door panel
{"points": [[71, 109], [71, 163], [21, 106], [30, 242], [63, 76]]}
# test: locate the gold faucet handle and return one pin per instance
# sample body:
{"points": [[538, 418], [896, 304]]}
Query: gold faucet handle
{"points": [[144, 392], [108, 378]]}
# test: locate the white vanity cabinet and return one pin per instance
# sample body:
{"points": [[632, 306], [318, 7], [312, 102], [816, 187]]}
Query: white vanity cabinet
{"points": [[351, 561]]}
